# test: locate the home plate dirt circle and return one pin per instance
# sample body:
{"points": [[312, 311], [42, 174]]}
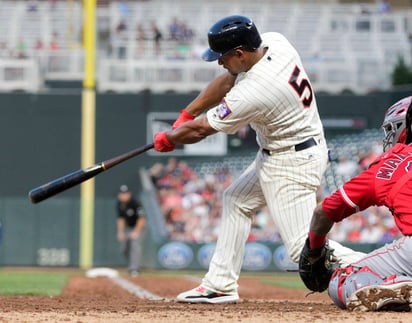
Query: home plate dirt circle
{"points": [[148, 298]]}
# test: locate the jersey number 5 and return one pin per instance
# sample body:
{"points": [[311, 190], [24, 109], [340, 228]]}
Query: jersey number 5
{"points": [[300, 88]]}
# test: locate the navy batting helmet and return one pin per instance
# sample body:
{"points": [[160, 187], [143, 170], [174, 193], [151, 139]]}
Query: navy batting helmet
{"points": [[230, 33]]}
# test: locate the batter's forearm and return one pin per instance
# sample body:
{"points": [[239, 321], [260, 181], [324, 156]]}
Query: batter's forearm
{"points": [[319, 228], [191, 132], [320, 223], [211, 95]]}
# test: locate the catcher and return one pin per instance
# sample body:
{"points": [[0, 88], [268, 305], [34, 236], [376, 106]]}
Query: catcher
{"points": [[382, 279]]}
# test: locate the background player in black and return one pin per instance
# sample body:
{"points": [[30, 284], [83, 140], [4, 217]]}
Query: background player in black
{"points": [[130, 225]]}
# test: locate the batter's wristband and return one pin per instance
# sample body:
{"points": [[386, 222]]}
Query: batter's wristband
{"points": [[184, 116], [161, 143], [316, 241], [165, 140]]}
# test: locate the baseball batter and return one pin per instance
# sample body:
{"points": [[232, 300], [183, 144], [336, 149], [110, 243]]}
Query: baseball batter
{"points": [[383, 278], [267, 87]]}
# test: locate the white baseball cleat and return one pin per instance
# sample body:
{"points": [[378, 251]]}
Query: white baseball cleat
{"points": [[390, 297], [203, 295]]}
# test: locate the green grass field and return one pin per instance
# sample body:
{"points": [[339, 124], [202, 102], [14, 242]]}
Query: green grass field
{"points": [[32, 281], [50, 284]]}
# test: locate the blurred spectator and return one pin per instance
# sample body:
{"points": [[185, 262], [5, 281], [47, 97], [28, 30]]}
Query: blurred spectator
{"points": [[339, 232], [353, 235], [157, 38], [364, 10], [322, 192], [118, 40], [32, 5], [175, 30], [121, 26], [4, 50], [365, 159], [21, 49], [140, 40], [39, 45], [347, 168], [187, 33], [371, 233], [54, 42], [140, 33], [156, 173], [124, 9], [384, 6]]}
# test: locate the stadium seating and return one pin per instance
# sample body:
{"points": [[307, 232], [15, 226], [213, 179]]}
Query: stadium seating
{"points": [[343, 146], [343, 46], [189, 228]]}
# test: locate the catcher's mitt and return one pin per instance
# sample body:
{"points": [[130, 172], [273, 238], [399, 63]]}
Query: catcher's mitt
{"points": [[316, 267]]}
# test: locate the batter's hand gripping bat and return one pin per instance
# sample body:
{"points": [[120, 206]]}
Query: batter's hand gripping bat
{"points": [[65, 182]]}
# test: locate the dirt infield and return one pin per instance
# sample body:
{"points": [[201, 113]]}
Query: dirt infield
{"points": [[101, 300]]}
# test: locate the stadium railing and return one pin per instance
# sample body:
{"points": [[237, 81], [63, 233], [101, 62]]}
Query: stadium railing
{"points": [[343, 47]]}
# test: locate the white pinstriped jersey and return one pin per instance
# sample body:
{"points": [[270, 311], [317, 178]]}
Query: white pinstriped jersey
{"points": [[275, 97], [277, 100]]}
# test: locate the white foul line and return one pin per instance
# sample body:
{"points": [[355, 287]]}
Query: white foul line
{"points": [[136, 290]]}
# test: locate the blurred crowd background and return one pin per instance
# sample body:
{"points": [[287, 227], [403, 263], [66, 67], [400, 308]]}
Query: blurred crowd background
{"points": [[191, 198], [366, 38]]}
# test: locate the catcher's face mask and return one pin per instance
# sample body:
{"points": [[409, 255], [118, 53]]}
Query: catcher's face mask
{"points": [[394, 124]]}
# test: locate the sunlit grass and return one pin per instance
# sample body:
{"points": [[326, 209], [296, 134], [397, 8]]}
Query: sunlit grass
{"points": [[32, 283], [52, 282]]}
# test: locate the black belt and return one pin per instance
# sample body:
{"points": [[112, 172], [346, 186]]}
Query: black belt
{"points": [[302, 146]]}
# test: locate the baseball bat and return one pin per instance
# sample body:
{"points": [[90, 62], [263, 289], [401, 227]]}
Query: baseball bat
{"points": [[63, 183]]}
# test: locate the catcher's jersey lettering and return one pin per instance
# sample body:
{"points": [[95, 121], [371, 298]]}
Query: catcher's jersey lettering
{"points": [[390, 166], [408, 167], [384, 173], [300, 88]]}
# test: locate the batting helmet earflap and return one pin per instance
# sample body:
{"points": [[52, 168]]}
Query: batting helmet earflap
{"points": [[230, 33]]}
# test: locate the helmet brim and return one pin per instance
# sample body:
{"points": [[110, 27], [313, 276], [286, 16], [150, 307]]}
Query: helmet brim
{"points": [[210, 55]]}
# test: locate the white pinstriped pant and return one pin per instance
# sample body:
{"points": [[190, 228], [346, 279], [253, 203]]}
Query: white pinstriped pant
{"points": [[287, 183]]}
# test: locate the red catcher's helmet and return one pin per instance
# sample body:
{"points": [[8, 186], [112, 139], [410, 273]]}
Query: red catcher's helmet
{"points": [[231, 33], [397, 123]]}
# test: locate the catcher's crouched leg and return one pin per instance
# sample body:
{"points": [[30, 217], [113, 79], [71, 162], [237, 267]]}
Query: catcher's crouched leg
{"points": [[316, 267], [346, 281]]}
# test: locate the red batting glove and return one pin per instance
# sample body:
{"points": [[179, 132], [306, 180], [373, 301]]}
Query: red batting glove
{"points": [[184, 116], [162, 144]]}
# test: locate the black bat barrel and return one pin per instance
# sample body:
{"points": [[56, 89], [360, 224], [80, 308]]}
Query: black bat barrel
{"points": [[63, 183]]}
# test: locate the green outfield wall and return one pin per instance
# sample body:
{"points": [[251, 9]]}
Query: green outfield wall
{"points": [[40, 136]]}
